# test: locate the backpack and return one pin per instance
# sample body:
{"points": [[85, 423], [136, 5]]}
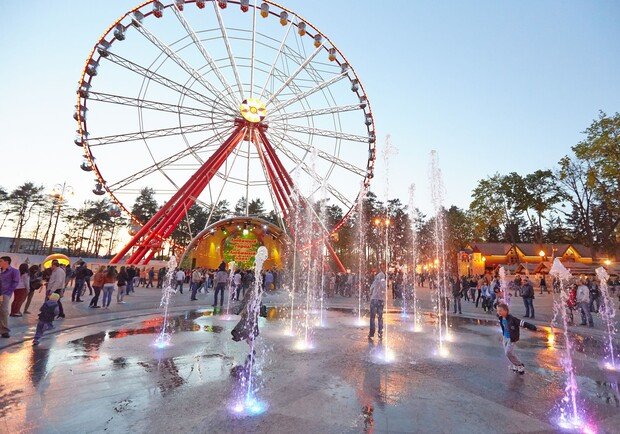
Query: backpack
{"points": [[35, 283]]}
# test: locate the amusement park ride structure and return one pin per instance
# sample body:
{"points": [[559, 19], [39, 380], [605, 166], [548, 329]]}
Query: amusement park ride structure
{"points": [[286, 143]]}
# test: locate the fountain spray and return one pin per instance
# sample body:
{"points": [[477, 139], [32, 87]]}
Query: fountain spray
{"points": [[164, 337], [608, 313], [361, 239], [411, 276], [570, 416], [232, 265]]}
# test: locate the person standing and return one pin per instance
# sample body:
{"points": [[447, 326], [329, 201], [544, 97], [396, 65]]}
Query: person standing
{"points": [[131, 275], [56, 284], [595, 295], [195, 283], [161, 273], [179, 277], [527, 293], [220, 280], [9, 279], [121, 283], [98, 281], [36, 282], [543, 285], [151, 276], [236, 291], [378, 291], [80, 279], [21, 292], [108, 287], [510, 332], [269, 281], [457, 293], [583, 303]]}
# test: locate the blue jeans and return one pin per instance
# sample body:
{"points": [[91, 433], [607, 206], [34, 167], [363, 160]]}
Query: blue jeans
{"points": [[77, 289], [179, 286], [457, 304], [219, 289], [195, 286], [129, 286], [529, 305], [376, 309], [41, 328], [108, 289]]}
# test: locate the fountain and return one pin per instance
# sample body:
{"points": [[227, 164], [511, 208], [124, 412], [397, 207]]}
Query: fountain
{"points": [[440, 257], [164, 337], [571, 416], [411, 275], [231, 274], [503, 284], [361, 240], [608, 314], [387, 152], [247, 329]]}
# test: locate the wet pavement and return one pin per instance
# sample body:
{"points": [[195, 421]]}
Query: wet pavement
{"points": [[108, 377]]}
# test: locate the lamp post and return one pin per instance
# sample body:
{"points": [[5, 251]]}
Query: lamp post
{"points": [[59, 193]]}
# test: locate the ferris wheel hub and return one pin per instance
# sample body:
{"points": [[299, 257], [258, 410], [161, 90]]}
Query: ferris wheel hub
{"points": [[253, 110]]}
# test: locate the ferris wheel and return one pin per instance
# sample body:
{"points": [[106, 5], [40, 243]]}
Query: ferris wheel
{"points": [[203, 101]]}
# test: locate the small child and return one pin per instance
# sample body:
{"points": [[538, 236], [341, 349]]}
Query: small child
{"points": [[510, 332], [48, 312]]}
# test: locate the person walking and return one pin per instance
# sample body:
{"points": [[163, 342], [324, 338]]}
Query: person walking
{"points": [[457, 294], [56, 285], [595, 295], [161, 273], [237, 277], [510, 332], [98, 282], [108, 287], [527, 293], [131, 277], [220, 280], [47, 313], [121, 283], [21, 292], [9, 280], [583, 303], [378, 291], [36, 282]]}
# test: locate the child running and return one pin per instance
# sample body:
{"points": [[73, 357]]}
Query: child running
{"points": [[48, 312], [510, 332]]}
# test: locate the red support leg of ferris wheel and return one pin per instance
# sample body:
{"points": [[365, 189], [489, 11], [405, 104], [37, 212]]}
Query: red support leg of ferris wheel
{"points": [[165, 220], [290, 187]]}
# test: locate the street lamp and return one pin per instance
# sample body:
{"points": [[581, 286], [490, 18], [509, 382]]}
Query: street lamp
{"points": [[59, 194], [542, 255]]}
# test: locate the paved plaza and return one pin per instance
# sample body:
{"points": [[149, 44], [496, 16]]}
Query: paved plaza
{"points": [[98, 371]]}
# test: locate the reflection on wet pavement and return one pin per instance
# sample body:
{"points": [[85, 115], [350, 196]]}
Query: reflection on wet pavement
{"points": [[125, 384]]}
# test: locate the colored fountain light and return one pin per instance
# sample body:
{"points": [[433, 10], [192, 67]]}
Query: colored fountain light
{"points": [[570, 413]]}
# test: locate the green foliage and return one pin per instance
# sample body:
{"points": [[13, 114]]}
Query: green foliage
{"points": [[145, 205]]}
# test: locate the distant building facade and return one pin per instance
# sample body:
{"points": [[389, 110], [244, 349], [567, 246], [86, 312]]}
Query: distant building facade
{"points": [[525, 258]]}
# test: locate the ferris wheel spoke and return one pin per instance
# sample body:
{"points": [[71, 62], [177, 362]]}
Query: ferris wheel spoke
{"points": [[300, 68], [252, 63], [221, 98], [151, 134], [320, 132], [317, 112], [307, 93], [324, 155], [216, 70], [165, 162], [184, 90], [153, 105], [295, 159], [275, 60], [233, 64]]}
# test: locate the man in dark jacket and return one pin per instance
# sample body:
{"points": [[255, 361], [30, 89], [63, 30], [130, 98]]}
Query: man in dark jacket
{"points": [[527, 293], [80, 279], [457, 293], [510, 332]]}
